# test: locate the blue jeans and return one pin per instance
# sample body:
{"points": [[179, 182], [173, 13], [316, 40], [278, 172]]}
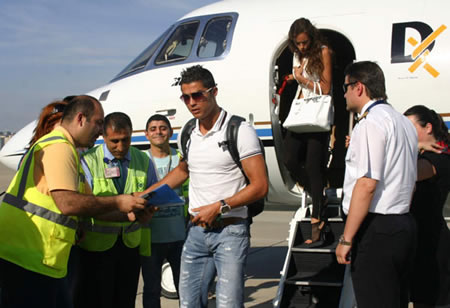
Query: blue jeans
{"points": [[151, 271], [228, 248]]}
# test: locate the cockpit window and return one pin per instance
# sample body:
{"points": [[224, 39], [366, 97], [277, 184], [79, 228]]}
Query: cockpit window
{"points": [[178, 47], [141, 60], [214, 38], [195, 39]]}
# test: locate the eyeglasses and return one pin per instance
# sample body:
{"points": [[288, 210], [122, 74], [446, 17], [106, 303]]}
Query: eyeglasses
{"points": [[345, 85], [196, 96]]}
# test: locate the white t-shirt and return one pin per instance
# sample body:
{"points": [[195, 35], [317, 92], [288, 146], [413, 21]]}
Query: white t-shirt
{"points": [[213, 175], [383, 146]]}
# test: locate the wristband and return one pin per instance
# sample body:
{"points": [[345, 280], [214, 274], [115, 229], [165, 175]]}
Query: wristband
{"points": [[342, 241]]}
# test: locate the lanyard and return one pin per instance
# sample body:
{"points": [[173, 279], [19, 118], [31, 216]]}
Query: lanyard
{"points": [[382, 101], [169, 165]]}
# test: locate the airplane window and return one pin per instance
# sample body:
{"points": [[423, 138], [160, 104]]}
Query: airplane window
{"points": [[142, 59], [179, 45], [214, 39]]}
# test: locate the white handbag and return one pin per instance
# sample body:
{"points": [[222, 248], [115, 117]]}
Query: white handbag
{"points": [[310, 114]]}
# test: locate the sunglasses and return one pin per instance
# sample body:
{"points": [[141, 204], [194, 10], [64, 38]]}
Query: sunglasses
{"points": [[58, 108], [345, 85], [196, 96]]}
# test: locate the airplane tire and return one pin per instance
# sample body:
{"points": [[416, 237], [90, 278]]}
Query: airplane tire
{"points": [[168, 289]]}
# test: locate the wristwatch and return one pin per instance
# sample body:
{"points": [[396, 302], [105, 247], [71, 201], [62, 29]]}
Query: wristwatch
{"points": [[224, 208], [342, 241]]}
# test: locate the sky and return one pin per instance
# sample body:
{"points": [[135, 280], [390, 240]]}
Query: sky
{"points": [[53, 48]]}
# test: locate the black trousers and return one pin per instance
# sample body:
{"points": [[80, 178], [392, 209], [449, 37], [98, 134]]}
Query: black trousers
{"points": [[382, 256], [305, 157], [109, 278], [21, 288]]}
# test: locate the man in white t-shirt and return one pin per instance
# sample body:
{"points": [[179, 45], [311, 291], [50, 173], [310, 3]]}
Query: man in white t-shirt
{"points": [[379, 181], [218, 195], [168, 227]]}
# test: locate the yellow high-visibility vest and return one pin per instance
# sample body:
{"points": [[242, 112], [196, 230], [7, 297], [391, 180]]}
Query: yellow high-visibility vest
{"points": [[34, 234], [102, 235]]}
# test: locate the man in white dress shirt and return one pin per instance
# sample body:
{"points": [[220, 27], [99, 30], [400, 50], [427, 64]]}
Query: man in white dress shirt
{"points": [[379, 234]]}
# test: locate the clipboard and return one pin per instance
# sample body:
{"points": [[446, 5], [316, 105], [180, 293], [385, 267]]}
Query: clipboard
{"points": [[162, 196]]}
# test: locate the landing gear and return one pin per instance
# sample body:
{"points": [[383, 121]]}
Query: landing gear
{"points": [[168, 289]]}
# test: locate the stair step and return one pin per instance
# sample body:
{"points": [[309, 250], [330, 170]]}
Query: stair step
{"points": [[331, 219], [300, 296], [315, 279], [323, 247], [333, 229], [317, 263], [318, 250]]}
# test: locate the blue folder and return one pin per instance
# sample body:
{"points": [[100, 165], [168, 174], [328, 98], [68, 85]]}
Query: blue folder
{"points": [[164, 196]]}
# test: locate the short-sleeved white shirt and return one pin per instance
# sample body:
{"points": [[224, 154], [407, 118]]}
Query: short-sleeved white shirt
{"points": [[213, 175], [383, 146]]}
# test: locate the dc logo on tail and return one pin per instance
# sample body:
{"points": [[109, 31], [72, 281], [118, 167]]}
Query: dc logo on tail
{"points": [[421, 49]]}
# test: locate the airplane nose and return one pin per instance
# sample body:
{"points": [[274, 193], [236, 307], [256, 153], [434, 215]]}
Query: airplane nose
{"points": [[13, 150]]}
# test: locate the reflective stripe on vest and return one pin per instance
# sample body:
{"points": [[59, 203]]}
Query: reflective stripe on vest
{"points": [[32, 208], [40, 211], [88, 226]]}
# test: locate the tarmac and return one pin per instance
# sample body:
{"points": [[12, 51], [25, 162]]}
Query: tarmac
{"points": [[269, 233], [265, 261]]}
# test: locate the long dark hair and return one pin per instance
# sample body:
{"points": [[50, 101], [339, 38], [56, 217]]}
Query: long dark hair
{"points": [[314, 52], [425, 115]]}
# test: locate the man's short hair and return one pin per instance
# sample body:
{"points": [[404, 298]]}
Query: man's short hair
{"points": [[118, 121], [197, 73], [369, 74], [80, 103], [158, 117]]}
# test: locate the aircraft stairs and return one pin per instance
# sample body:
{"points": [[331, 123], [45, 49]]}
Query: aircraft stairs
{"points": [[311, 276]]}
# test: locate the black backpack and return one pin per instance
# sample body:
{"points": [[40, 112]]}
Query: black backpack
{"points": [[254, 208]]}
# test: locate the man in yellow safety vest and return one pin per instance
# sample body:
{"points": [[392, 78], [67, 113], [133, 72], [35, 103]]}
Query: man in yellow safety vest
{"points": [[110, 250], [38, 215]]}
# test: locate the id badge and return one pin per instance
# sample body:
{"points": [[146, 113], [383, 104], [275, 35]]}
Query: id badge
{"points": [[112, 172]]}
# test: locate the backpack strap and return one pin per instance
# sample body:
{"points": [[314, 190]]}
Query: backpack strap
{"points": [[256, 207], [232, 136], [231, 139], [186, 137]]}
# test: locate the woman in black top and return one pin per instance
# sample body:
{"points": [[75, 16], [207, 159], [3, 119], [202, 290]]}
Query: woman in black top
{"points": [[430, 283]]}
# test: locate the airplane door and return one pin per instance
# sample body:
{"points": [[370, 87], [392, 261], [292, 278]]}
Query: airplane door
{"points": [[343, 54]]}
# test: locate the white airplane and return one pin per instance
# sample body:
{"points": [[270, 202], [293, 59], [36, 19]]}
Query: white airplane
{"points": [[244, 45]]}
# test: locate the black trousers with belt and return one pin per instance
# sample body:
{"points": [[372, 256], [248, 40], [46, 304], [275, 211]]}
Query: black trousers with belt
{"points": [[382, 256]]}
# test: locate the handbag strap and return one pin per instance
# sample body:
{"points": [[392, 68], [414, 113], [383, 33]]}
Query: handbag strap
{"points": [[313, 92], [318, 85]]}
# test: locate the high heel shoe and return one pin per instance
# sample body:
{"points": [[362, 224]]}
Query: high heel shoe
{"points": [[316, 232]]}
